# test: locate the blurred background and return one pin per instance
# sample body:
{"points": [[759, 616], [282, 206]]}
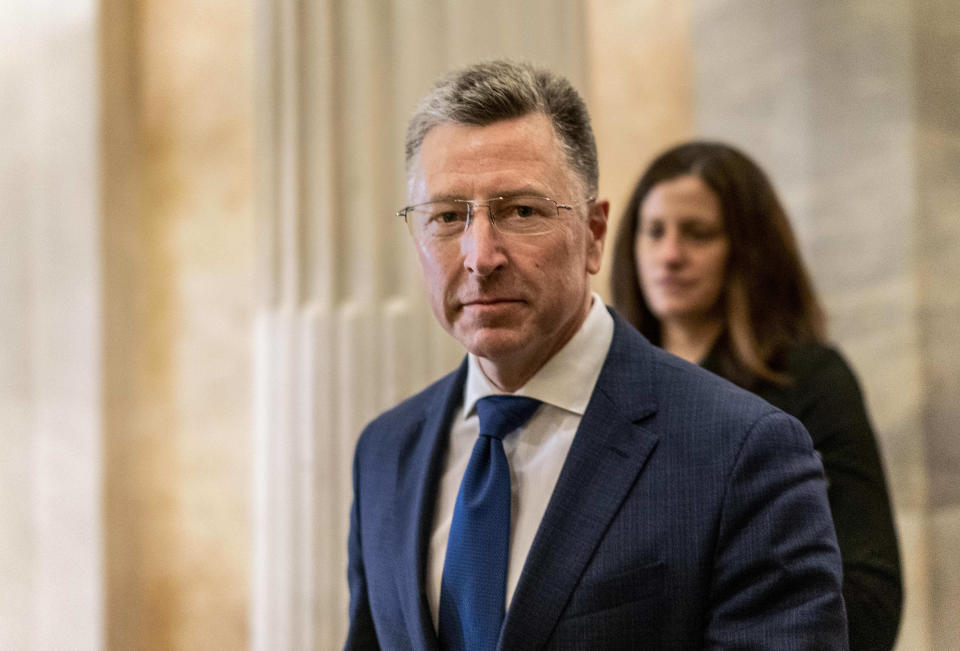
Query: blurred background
{"points": [[204, 293]]}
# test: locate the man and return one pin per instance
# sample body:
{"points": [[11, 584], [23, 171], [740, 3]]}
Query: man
{"points": [[645, 503]]}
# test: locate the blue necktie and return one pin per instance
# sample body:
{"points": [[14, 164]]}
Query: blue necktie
{"points": [[474, 583]]}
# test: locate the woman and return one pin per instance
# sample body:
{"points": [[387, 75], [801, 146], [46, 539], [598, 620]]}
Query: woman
{"points": [[705, 265]]}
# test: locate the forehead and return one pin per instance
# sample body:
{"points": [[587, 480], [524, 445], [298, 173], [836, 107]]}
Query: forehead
{"points": [[683, 197], [469, 160]]}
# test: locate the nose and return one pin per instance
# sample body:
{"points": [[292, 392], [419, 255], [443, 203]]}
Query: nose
{"points": [[672, 248], [482, 246]]}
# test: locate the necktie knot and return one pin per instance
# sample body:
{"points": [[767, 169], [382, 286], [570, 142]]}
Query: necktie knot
{"points": [[501, 414]]}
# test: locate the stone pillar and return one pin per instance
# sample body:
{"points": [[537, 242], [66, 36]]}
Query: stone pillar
{"points": [[640, 94], [343, 330], [937, 254], [177, 260]]}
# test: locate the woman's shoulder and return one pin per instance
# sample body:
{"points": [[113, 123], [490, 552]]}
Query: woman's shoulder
{"points": [[820, 364], [819, 378], [824, 392]]}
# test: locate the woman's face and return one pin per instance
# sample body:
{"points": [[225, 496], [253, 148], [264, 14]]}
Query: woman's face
{"points": [[682, 250]]}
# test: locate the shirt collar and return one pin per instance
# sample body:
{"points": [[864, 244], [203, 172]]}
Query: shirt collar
{"points": [[567, 379]]}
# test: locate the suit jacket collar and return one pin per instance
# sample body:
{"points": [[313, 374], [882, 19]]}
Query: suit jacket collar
{"points": [[414, 503], [607, 455], [568, 378]]}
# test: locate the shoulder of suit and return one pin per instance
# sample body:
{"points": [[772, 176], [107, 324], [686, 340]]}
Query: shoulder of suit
{"points": [[414, 409], [687, 387]]}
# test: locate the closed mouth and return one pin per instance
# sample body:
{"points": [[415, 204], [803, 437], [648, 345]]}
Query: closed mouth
{"points": [[481, 302], [673, 282]]}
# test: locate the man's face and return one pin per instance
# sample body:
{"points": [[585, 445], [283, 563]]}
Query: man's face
{"points": [[511, 300]]}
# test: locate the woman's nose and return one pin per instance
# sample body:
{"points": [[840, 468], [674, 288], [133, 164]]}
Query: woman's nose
{"points": [[672, 249]]}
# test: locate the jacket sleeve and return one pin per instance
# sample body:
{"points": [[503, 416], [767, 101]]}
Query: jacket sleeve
{"points": [[831, 407], [361, 634], [777, 571]]}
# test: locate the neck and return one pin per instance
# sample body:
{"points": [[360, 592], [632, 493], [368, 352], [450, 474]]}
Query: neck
{"points": [[513, 371], [690, 340], [503, 377]]}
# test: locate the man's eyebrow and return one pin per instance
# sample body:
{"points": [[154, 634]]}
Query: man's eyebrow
{"points": [[527, 191], [447, 197], [523, 191]]}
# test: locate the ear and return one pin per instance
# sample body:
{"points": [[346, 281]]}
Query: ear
{"points": [[596, 233]]}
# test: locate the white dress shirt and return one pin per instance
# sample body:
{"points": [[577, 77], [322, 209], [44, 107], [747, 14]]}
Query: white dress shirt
{"points": [[536, 452]]}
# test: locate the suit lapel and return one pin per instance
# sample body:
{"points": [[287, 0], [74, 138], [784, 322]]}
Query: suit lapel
{"points": [[607, 454], [420, 462]]}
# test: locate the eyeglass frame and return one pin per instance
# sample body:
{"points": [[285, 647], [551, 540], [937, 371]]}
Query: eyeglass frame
{"points": [[474, 204]]}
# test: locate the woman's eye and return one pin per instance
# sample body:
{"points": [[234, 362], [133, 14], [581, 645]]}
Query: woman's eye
{"points": [[703, 234]]}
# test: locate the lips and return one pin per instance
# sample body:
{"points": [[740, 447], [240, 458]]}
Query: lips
{"points": [[488, 305], [491, 301], [672, 283]]}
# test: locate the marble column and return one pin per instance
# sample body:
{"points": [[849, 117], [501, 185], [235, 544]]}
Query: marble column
{"points": [[936, 61], [640, 94], [177, 261]]}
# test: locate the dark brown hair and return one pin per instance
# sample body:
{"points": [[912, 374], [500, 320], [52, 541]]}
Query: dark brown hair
{"points": [[768, 302]]}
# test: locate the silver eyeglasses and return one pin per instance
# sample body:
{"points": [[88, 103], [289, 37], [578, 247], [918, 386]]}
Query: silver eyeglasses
{"points": [[514, 215]]}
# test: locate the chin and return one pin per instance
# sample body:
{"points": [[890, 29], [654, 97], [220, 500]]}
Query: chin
{"points": [[493, 345], [668, 312]]}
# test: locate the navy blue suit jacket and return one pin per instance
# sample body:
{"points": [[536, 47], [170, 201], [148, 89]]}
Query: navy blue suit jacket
{"points": [[689, 514]]}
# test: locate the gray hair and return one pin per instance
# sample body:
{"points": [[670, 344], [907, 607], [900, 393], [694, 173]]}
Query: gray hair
{"points": [[491, 91]]}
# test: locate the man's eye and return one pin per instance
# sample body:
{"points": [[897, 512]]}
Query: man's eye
{"points": [[448, 217], [523, 210]]}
